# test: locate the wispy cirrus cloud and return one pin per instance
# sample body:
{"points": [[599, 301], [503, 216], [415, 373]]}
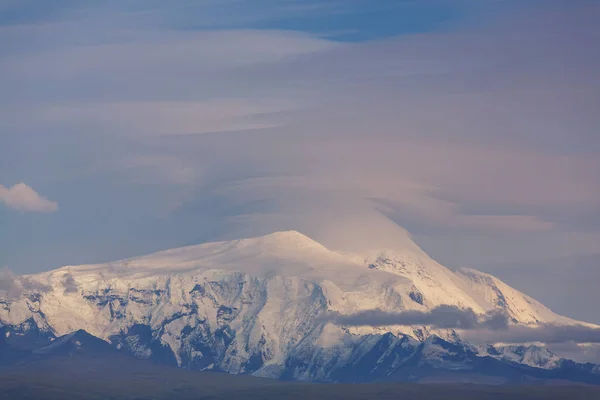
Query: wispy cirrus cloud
{"points": [[485, 132], [170, 118]]}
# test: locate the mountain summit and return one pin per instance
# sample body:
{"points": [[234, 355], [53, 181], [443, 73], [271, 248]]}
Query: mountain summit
{"points": [[257, 306]]}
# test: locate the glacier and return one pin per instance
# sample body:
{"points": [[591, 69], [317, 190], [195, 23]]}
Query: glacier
{"points": [[254, 306]]}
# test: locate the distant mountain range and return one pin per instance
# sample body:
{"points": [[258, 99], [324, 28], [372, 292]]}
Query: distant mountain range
{"points": [[258, 307]]}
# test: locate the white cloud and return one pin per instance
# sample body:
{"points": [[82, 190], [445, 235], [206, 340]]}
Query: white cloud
{"points": [[13, 286], [23, 198]]}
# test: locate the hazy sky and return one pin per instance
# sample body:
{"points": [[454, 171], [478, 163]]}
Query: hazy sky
{"points": [[134, 126]]}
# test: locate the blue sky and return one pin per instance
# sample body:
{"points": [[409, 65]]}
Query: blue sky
{"points": [[350, 20], [340, 20], [134, 126]]}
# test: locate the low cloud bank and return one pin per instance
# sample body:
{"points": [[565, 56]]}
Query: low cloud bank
{"points": [[69, 284], [13, 286], [492, 327], [442, 317], [545, 333]]}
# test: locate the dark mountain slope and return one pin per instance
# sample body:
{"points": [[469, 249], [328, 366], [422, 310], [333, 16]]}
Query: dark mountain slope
{"points": [[80, 366]]}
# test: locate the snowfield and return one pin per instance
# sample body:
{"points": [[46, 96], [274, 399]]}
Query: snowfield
{"points": [[254, 306]]}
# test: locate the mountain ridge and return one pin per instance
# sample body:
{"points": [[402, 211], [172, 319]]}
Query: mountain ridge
{"points": [[252, 306]]}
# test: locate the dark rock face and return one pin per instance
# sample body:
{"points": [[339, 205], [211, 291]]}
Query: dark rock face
{"points": [[141, 342], [25, 336], [416, 296], [384, 357]]}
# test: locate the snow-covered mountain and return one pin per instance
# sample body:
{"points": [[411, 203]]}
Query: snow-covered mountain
{"points": [[257, 305]]}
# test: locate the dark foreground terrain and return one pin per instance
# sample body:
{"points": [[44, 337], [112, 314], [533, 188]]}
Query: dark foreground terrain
{"points": [[75, 378], [80, 366]]}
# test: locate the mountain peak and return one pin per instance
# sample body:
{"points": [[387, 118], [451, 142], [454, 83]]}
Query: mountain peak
{"points": [[77, 341], [284, 253], [251, 305], [284, 239]]}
